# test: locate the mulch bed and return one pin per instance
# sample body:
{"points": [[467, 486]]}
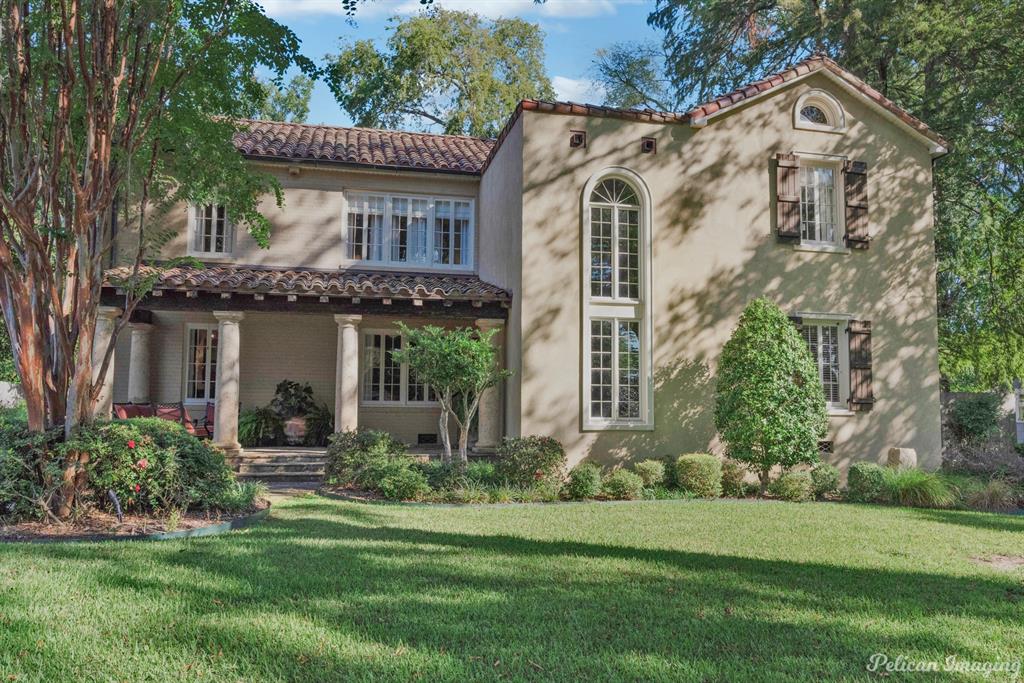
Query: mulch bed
{"points": [[99, 524]]}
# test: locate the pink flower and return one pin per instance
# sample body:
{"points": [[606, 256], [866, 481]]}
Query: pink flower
{"points": [[131, 443], [137, 488], [142, 464]]}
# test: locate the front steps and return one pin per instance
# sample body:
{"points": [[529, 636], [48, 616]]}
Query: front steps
{"points": [[286, 464]]}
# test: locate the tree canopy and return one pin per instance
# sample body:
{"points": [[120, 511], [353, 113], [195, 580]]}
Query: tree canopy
{"points": [[285, 102], [633, 76], [453, 71], [953, 64]]}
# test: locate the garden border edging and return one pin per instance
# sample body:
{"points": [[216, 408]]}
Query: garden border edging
{"points": [[198, 532]]}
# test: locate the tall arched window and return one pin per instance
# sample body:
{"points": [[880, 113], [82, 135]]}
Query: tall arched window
{"points": [[616, 382]]}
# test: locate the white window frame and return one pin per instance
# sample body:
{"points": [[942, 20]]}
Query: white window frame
{"points": [[403, 389], [828, 104], [211, 329], [842, 321], [193, 227], [386, 263], [617, 309], [839, 202]]}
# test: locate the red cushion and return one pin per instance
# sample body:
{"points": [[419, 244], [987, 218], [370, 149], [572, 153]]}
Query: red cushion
{"points": [[169, 413], [120, 411], [145, 411]]}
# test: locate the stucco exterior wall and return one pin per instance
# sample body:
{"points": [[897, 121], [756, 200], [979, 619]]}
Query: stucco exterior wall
{"points": [[307, 230], [714, 249], [501, 220], [272, 347]]}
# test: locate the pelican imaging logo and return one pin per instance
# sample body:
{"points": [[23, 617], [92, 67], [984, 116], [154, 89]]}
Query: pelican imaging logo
{"points": [[883, 663]]}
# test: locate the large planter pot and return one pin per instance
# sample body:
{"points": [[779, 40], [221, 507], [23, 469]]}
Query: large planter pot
{"points": [[295, 430]]}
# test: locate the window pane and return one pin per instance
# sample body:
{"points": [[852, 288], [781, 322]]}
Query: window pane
{"points": [[601, 368], [418, 230], [823, 343], [399, 229], [356, 228], [629, 369], [600, 251], [442, 232], [817, 204], [629, 253], [391, 389], [371, 367], [460, 235], [375, 228]]}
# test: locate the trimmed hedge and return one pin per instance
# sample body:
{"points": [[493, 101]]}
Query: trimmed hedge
{"points": [[826, 479], [865, 483], [700, 474], [651, 471], [526, 460], [584, 482], [795, 487], [623, 485]]}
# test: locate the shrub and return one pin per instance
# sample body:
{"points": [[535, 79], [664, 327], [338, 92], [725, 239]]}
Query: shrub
{"points": [[995, 496], [769, 404], [502, 494], [669, 462], [826, 479], [525, 460], [292, 399], [917, 488], [439, 475], [584, 482], [241, 496], [364, 458], [865, 483], [482, 473], [319, 425], [260, 427], [622, 484], [733, 476], [28, 478], [796, 487], [700, 474], [404, 484], [469, 494], [974, 418], [651, 471]]}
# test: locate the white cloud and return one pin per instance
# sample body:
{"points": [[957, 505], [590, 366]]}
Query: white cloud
{"points": [[580, 90], [489, 8]]}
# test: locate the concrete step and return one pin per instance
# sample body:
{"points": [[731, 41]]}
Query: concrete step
{"points": [[277, 459], [285, 478], [280, 468]]}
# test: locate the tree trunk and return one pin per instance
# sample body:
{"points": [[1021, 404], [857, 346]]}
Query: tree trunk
{"points": [[74, 481], [463, 446], [446, 440], [765, 477]]}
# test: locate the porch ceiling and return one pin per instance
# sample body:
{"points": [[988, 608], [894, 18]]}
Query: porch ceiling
{"points": [[298, 282]]}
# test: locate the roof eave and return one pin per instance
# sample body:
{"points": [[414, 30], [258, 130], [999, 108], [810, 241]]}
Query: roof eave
{"points": [[390, 168]]}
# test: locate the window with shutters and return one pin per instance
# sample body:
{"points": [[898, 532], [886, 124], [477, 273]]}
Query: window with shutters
{"points": [[409, 231], [385, 381], [210, 231], [829, 346], [616, 384]]}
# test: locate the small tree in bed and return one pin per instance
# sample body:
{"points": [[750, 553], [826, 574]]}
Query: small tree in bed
{"points": [[769, 402], [458, 365]]}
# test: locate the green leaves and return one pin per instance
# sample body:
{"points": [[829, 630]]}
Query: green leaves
{"points": [[443, 68], [769, 403]]}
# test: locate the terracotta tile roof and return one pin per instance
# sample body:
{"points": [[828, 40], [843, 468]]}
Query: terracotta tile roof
{"points": [[807, 66], [369, 284], [363, 146]]}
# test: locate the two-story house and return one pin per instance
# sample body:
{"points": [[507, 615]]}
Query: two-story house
{"points": [[614, 250]]}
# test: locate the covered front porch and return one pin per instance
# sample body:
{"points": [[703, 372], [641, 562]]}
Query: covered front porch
{"points": [[226, 335]]}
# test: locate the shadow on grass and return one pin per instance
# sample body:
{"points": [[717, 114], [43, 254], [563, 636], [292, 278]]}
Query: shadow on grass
{"points": [[978, 520], [454, 603]]}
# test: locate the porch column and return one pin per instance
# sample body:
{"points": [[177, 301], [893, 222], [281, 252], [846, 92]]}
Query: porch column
{"points": [[225, 429], [346, 373], [105, 320], [488, 432], [138, 364]]}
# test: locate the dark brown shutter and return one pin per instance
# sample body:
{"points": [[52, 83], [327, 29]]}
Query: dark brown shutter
{"points": [[797, 320], [862, 398], [855, 182], [787, 197]]}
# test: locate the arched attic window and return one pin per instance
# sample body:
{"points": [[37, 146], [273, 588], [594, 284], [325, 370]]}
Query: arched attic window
{"points": [[818, 110]]}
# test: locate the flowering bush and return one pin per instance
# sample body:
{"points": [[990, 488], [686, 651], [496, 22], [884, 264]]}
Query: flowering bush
{"points": [[153, 465]]}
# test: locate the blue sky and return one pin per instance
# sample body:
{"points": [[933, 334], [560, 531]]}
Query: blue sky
{"points": [[573, 30]]}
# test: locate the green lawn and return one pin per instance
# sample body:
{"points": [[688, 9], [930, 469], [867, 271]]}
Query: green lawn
{"points": [[721, 590]]}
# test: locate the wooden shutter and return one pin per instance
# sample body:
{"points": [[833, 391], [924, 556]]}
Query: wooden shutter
{"points": [[862, 397], [787, 197], [855, 184], [797, 320]]}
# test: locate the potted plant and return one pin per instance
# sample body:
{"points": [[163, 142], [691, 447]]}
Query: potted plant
{"points": [[293, 401]]}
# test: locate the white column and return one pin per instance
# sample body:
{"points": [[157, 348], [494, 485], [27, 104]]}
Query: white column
{"points": [[105, 320], [489, 431], [346, 373], [138, 364], [225, 429]]}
